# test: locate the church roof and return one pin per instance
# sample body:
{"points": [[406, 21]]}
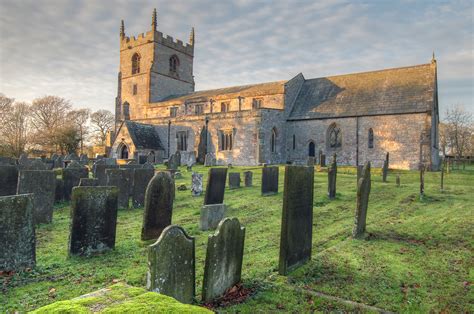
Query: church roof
{"points": [[144, 136], [391, 91]]}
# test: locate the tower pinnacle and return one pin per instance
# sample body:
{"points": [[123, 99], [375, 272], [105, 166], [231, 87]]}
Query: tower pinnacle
{"points": [[122, 30], [191, 37], [153, 21]]}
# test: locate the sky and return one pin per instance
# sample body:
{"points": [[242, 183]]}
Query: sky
{"points": [[71, 48]]}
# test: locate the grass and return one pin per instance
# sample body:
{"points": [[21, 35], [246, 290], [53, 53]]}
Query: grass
{"points": [[417, 256]]}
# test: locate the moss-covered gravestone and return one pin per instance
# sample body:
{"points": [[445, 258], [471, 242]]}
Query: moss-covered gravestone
{"points": [[363, 192], [93, 219], [17, 233], [121, 179], [248, 176], [42, 184], [211, 215], [270, 180], [99, 171], [72, 176], [196, 184], [8, 180], [332, 175], [225, 251], [171, 265], [158, 211], [141, 178], [297, 218], [234, 180], [88, 182], [215, 186]]}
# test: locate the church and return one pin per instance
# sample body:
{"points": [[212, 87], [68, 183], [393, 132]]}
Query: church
{"points": [[359, 116]]}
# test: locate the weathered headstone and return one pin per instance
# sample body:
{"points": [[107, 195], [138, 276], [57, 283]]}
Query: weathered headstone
{"points": [[8, 180], [196, 184], [83, 159], [173, 161], [234, 180], [385, 168], [72, 175], [141, 178], [248, 176], [202, 146], [363, 192], [99, 172], [171, 265], [270, 180], [36, 164], [225, 251], [210, 160], [121, 179], [42, 184], [211, 215], [129, 173], [17, 233], [93, 219], [215, 186], [150, 157], [177, 155], [58, 162], [332, 175], [23, 161], [88, 182], [297, 218], [59, 191], [110, 161], [158, 205]]}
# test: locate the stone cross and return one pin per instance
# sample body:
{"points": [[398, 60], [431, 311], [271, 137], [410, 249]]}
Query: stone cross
{"points": [[171, 265], [141, 179], [196, 184], [234, 180], [248, 175], [223, 266], [215, 186], [332, 175], [363, 192], [8, 180], [270, 180]]}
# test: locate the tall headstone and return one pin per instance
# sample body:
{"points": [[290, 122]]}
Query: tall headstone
{"points": [[8, 180], [215, 186], [234, 180], [42, 184], [17, 233], [158, 205], [297, 218], [141, 178], [174, 161], [88, 182], [363, 192], [202, 146], [72, 175], [196, 184], [99, 172], [171, 265], [93, 219], [248, 176], [270, 180], [332, 174], [223, 266], [385, 168], [121, 179], [211, 215], [322, 160]]}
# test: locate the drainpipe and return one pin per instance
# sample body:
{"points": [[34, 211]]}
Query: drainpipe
{"points": [[169, 131]]}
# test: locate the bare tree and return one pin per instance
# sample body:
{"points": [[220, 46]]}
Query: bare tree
{"points": [[459, 130], [5, 105], [14, 130], [79, 118], [102, 121]]}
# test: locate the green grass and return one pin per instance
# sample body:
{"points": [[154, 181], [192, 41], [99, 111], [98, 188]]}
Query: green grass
{"points": [[417, 256]]}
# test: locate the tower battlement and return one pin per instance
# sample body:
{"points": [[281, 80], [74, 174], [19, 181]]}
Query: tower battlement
{"points": [[129, 42]]}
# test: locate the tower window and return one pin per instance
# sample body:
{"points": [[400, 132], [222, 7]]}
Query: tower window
{"points": [[173, 112], [135, 63], [182, 139], [257, 103], [174, 64], [135, 89], [198, 109], [371, 138], [225, 106], [226, 140]]}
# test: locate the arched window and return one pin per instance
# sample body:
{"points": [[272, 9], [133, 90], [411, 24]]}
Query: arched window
{"points": [[174, 64], [334, 136], [311, 149], [135, 63], [371, 138], [273, 140], [124, 152]]}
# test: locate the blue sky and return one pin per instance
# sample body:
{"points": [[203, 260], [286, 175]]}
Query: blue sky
{"points": [[70, 48]]}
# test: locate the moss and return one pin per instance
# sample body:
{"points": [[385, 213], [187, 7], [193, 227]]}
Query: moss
{"points": [[63, 307]]}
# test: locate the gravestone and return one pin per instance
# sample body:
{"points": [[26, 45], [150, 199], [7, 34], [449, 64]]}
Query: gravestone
{"points": [[385, 168], [42, 184], [148, 165], [88, 182], [17, 233], [211, 215], [322, 160], [99, 172], [8, 180], [359, 172], [234, 180], [248, 175], [121, 179], [398, 181], [83, 159], [177, 156], [215, 186], [422, 181], [110, 161], [297, 218], [93, 219], [363, 192], [71, 156], [223, 266], [58, 162], [7, 161], [72, 175], [173, 161], [332, 174], [202, 146], [36, 164], [23, 161], [196, 184], [269, 180], [311, 161], [210, 160], [171, 265], [158, 205], [141, 178], [59, 191], [150, 157], [129, 173]]}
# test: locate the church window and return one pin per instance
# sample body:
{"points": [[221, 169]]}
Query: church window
{"points": [[135, 63], [135, 89], [371, 138], [311, 149], [257, 103], [124, 152], [182, 140], [226, 140], [294, 142], [334, 136], [174, 64], [225, 106], [273, 140], [198, 109], [173, 112]]}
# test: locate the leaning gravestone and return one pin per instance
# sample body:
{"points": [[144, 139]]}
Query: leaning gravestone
{"points": [[88, 182], [196, 184], [234, 180], [121, 179], [17, 233], [171, 265], [158, 205], [269, 180], [8, 180], [141, 178], [225, 251], [297, 218], [72, 176], [99, 172], [248, 178], [42, 184], [211, 215], [332, 174], [215, 186], [363, 192], [385, 168], [93, 219]]}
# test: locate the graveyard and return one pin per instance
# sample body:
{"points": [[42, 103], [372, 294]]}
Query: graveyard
{"points": [[415, 254]]}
